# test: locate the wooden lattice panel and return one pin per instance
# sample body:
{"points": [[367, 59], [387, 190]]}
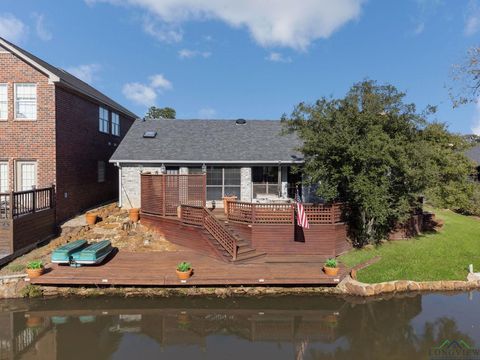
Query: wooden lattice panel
{"points": [[163, 194]]}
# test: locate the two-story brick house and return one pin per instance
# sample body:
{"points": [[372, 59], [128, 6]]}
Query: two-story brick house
{"points": [[56, 129]]}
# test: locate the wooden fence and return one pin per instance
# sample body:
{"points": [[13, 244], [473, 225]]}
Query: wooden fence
{"points": [[252, 213], [163, 194]]}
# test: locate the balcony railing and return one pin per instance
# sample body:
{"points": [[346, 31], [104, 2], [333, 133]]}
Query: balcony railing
{"points": [[16, 204]]}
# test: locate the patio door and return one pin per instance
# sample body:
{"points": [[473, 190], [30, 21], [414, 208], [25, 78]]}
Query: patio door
{"points": [[26, 175]]}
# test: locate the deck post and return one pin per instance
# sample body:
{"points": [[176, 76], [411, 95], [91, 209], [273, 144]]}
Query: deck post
{"points": [[34, 200], [332, 213], [254, 213]]}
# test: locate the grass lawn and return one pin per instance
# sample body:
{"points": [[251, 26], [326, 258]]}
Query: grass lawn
{"points": [[437, 256]]}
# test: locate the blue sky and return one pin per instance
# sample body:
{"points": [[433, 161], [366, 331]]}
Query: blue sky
{"points": [[251, 58]]}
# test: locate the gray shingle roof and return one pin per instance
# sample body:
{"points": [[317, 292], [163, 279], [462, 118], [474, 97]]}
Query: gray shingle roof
{"points": [[207, 141], [68, 80], [474, 154]]}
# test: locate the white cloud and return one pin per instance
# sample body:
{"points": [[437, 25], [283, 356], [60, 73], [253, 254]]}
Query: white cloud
{"points": [[472, 22], [146, 94], [189, 54], [12, 28], [42, 32], [476, 119], [160, 82], [207, 113], [140, 93], [277, 57], [163, 32], [271, 23], [85, 72]]}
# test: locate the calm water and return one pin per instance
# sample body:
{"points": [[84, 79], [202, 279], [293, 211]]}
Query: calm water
{"points": [[268, 328]]}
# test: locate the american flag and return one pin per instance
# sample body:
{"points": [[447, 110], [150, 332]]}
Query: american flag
{"points": [[301, 215]]}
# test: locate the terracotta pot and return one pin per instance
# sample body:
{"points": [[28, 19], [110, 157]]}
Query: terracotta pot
{"points": [[91, 218], [330, 271], [184, 275], [134, 214], [34, 273], [34, 321], [226, 199]]}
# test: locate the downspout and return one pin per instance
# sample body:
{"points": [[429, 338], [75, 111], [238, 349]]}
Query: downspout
{"points": [[120, 185]]}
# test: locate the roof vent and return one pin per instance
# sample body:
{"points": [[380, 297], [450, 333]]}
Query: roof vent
{"points": [[240, 121], [150, 134]]}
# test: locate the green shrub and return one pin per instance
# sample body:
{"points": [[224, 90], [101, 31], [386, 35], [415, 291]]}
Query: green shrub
{"points": [[184, 266], [36, 264], [31, 291], [331, 263]]}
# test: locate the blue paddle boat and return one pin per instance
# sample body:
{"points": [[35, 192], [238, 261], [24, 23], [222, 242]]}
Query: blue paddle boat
{"points": [[79, 253], [93, 254], [63, 254]]}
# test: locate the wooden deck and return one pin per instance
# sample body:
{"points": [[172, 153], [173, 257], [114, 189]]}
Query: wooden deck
{"points": [[158, 269]]}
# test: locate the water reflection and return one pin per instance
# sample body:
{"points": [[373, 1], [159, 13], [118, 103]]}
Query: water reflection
{"points": [[280, 328]]}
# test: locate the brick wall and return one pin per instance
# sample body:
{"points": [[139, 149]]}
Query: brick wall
{"points": [[28, 140], [80, 145]]}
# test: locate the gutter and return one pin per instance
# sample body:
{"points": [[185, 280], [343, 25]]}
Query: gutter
{"points": [[206, 162]]}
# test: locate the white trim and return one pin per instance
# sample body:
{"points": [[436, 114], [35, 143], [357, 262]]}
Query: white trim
{"points": [[52, 76], [246, 162]]}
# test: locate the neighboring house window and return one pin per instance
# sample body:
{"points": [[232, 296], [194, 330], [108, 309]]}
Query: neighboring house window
{"points": [[3, 101], [222, 182], [26, 101], [101, 172], [103, 120], [3, 177], [26, 175], [115, 124]]}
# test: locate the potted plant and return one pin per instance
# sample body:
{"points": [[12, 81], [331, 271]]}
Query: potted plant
{"points": [[35, 269], [134, 214], [184, 270], [91, 218], [226, 199], [331, 267]]}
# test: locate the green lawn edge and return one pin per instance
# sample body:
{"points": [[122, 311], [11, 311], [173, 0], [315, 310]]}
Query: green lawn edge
{"points": [[443, 255]]}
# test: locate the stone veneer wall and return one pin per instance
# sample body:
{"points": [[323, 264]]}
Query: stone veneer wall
{"points": [[246, 184]]}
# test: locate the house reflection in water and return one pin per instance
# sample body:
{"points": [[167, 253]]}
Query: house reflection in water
{"points": [[138, 331]]}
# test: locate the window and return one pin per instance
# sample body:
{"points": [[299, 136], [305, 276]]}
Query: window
{"points": [[3, 177], [222, 182], [26, 101], [26, 175], [115, 124], [3, 101], [265, 180], [103, 120], [172, 170], [101, 171]]}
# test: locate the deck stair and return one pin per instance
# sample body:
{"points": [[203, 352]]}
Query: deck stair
{"points": [[226, 243]]}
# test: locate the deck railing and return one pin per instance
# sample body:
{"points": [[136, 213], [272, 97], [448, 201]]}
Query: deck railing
{"points": [[201, 216], [252, 213], [16, 204]]}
